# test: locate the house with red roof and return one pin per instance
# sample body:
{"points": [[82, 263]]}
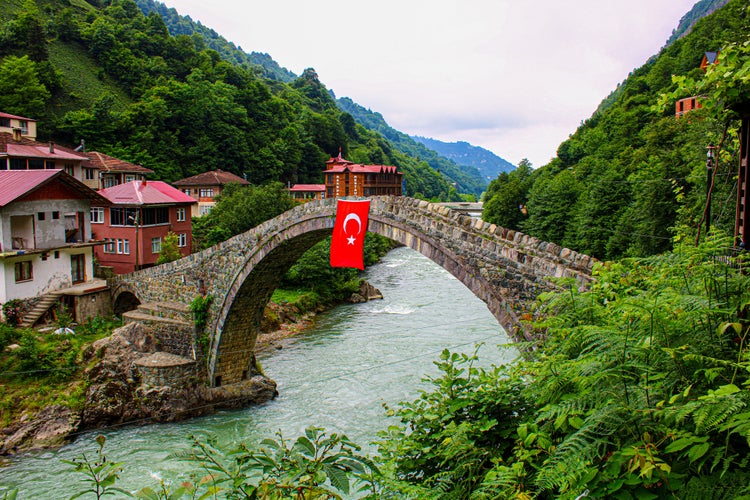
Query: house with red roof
{"points": [[21, 153], [307, 192], [139, 216], [18, 125], [113, 171], [345, 178], [46, 245], [205, 187]]}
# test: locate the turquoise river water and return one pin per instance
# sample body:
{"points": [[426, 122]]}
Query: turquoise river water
{"points": [[336, 375]]}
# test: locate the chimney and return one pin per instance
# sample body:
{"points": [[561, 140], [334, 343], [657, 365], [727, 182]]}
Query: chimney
{"points": [[16, 134], [51, 146]]}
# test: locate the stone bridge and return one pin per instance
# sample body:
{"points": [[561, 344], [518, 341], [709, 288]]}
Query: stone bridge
{"points": [[504, 268]]}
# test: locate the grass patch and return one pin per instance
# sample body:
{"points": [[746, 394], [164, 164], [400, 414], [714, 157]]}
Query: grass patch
{"points": [[44, 368], [83, 80], [304, 300]]}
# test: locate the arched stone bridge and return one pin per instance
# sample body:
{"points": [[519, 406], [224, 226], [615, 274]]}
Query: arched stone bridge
{"points": [[505, 269]]}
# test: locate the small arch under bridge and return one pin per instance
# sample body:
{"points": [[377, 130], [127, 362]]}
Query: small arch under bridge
{"points": [[505, 269]]}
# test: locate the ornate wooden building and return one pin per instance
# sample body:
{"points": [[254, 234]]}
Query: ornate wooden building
{"points": [[345, 178]]}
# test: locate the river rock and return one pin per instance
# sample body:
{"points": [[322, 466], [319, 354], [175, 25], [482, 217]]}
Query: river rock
{"points": [[48, 428], [366, 292], [114, 379], [118, 392]]}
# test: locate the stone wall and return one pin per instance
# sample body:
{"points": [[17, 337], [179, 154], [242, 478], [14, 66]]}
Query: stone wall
{"points": [[506, 269]]}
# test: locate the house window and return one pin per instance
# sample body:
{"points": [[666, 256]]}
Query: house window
{"points": [[89, 174], [109, 246], [119, 245], [49, 164], [70, 169], [24, 271], [186, 191], [204, 209], [24, 125], [155, 245], [40, 215], [109, 182], [126, 247], [180, 214], [129, 178], [97, 215], [17, 164], [182, 240], [55, 215], [207, 193], [35, 164], [156, 215], [5, 122], [122, 216]]}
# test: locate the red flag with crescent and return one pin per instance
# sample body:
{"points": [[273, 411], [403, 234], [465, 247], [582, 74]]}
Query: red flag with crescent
{"points": [[348, 242]]}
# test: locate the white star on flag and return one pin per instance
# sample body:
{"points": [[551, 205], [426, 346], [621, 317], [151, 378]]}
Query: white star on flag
{"points": [[350, 240]]}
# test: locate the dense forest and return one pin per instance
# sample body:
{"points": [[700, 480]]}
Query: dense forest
{"points": [[632, 175], [105, 73]]}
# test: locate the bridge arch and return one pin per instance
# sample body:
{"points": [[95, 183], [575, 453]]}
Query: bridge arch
{"points": [[503, 268]]}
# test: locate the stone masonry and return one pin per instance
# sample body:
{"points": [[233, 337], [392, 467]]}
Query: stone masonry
{"points": [[505, 269]]}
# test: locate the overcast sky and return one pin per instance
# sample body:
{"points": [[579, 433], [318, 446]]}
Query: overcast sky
{"points": [[514, 76]]}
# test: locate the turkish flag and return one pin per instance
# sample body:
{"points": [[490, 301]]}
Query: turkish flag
{"points": [[348, 242]]}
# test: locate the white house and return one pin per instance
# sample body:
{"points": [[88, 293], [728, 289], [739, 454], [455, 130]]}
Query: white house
{"points": [[45, 232]]}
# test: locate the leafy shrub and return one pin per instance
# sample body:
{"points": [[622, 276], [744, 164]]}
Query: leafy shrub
{"points": [[12, 312], [7, 334]]}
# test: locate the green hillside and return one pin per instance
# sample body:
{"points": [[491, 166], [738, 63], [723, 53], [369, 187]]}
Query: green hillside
{"points": [[633, 177], [467, 179], [462, 153], [106, 73]]}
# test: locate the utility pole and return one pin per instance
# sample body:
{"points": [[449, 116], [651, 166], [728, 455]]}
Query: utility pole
{"points": [[709, 182], [743, 204]]}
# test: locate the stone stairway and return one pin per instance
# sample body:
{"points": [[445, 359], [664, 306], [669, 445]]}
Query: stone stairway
{"points": [[48, 300], [171, 324]]}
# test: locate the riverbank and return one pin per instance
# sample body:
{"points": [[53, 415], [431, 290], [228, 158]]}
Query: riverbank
{"points": [[107, 390]]}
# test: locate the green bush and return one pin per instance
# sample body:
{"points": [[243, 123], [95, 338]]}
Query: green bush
{"points": [[7, 334], [12, 312]]}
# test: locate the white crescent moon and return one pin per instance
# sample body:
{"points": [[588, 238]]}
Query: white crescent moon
{"points": [[355, 217]]}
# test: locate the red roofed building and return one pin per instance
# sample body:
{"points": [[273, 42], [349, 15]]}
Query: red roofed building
{"points": [[20, 153], [46, 245], [113, 171], [205, 187], [344, 178], [307, 192], [134, 227]]}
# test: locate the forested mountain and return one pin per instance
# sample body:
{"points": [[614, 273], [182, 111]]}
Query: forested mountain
{"points": [[633, 176], [105, 72], [184, 25], [462, 153], [467, 179], [700, 10]]}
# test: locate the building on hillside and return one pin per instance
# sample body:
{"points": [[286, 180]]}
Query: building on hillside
{"points": [[21, 153], [307, 192], [133, 226], [205, 187], [18, 126], [113, 171], [46, 245], [687, 104], [345, 178]]}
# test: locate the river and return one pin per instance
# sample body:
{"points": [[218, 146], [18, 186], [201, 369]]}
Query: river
{"points": [[336, 375]]}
